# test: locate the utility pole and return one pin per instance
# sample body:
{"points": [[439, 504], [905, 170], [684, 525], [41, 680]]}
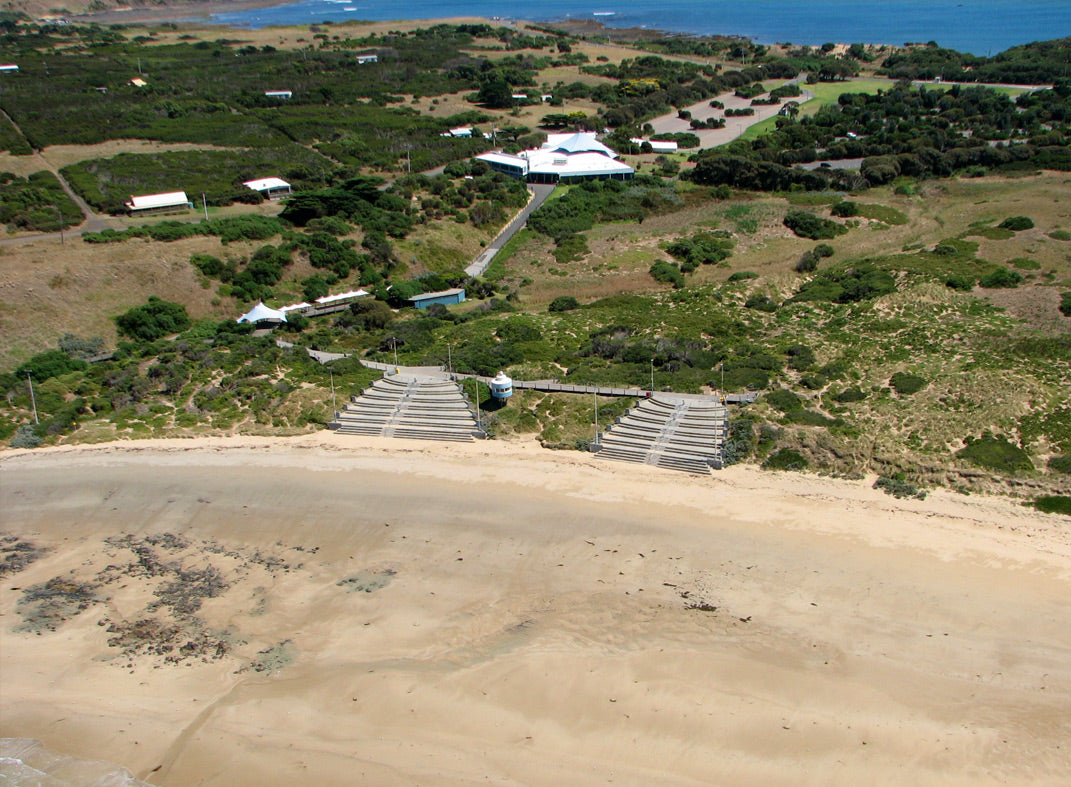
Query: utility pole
{"points": [[449, 358], [33, 400], [204, 202], [394, 344], [334, 407], [652, 375]]}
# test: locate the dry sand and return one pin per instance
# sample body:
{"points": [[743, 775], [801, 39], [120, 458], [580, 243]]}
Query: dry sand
{"points": [[390, 612]]}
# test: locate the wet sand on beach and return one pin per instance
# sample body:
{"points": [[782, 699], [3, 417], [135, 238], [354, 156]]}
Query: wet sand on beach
{"points": [[345, 609]]}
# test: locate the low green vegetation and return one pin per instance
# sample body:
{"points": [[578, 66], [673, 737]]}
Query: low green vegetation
{"points": [[997, 454], [898, 486], [808, 225], [37, 203], [906, 384], [1054, 504]]}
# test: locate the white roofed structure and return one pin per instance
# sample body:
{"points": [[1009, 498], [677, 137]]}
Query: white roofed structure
{"points": [[562, 158], [261, 313], [154, 203], [657, 145], [271, 188]]}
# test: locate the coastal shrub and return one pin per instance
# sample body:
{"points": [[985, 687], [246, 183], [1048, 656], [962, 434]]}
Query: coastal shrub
{"points": [[845, 209], [155, 319], [702, 248], [50, 363], [763, 303], [809, 225], [741, 441], [1001, 278], [906, 384], [1061, 464], [783, 399], [961, 282], [850, 395], [743, 276], [1060, 235], [1025, 264], [25, 437], [667, 273], [807, 262], [1017, 223], [571, 247], [862, 282], [563, 303], [814, 381], [995, 453], [1054, 504], [786, 459], [1065, 303], [899, 487]]}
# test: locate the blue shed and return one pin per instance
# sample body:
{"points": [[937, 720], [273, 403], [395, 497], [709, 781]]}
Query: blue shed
{"points": [[445, 297]]}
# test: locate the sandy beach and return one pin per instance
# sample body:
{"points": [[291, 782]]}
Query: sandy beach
{"points": [[339, 610]]}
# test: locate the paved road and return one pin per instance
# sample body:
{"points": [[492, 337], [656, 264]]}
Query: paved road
{"points": [[540, 192]]}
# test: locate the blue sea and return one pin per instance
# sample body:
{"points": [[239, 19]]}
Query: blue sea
{"points": [[981, 27]]}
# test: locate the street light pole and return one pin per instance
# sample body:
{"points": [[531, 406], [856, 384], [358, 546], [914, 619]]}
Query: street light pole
{"points": [[33, 400], [476, 396], [595, 400]]}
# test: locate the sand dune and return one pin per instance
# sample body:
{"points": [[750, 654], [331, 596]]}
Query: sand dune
{"points": [[354, 610]]}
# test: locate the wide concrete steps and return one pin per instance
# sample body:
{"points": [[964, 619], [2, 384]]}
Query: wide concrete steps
{"points": [[683, 435], [409, 407]]}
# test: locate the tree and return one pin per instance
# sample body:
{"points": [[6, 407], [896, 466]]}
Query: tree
{"points": [[155, 319], [496, 93], [563, 303]]}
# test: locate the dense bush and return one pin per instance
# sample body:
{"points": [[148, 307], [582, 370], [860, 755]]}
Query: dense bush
{"points": [[1061, 464], [994, 453], [906, 384], [702, 248], [667, 273], [1065, 303], [50, 363], [154, 320], [862, 282], [37, 203], [761, 302], [1054, 504], [899, 487], [786, 459], [850, 395], [808, 225], [783, 399], [1001, 278], [1017, 223], [563, 303]]}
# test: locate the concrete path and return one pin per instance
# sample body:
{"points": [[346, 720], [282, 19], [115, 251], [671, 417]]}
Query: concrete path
{"points": [[540, 192]]}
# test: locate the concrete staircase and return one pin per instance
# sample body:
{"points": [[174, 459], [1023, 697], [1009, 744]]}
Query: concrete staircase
{"points": [[411, 407], [677, 434]]}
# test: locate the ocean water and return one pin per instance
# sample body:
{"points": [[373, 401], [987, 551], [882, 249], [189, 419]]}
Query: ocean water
{"points": [[980, 27]]}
